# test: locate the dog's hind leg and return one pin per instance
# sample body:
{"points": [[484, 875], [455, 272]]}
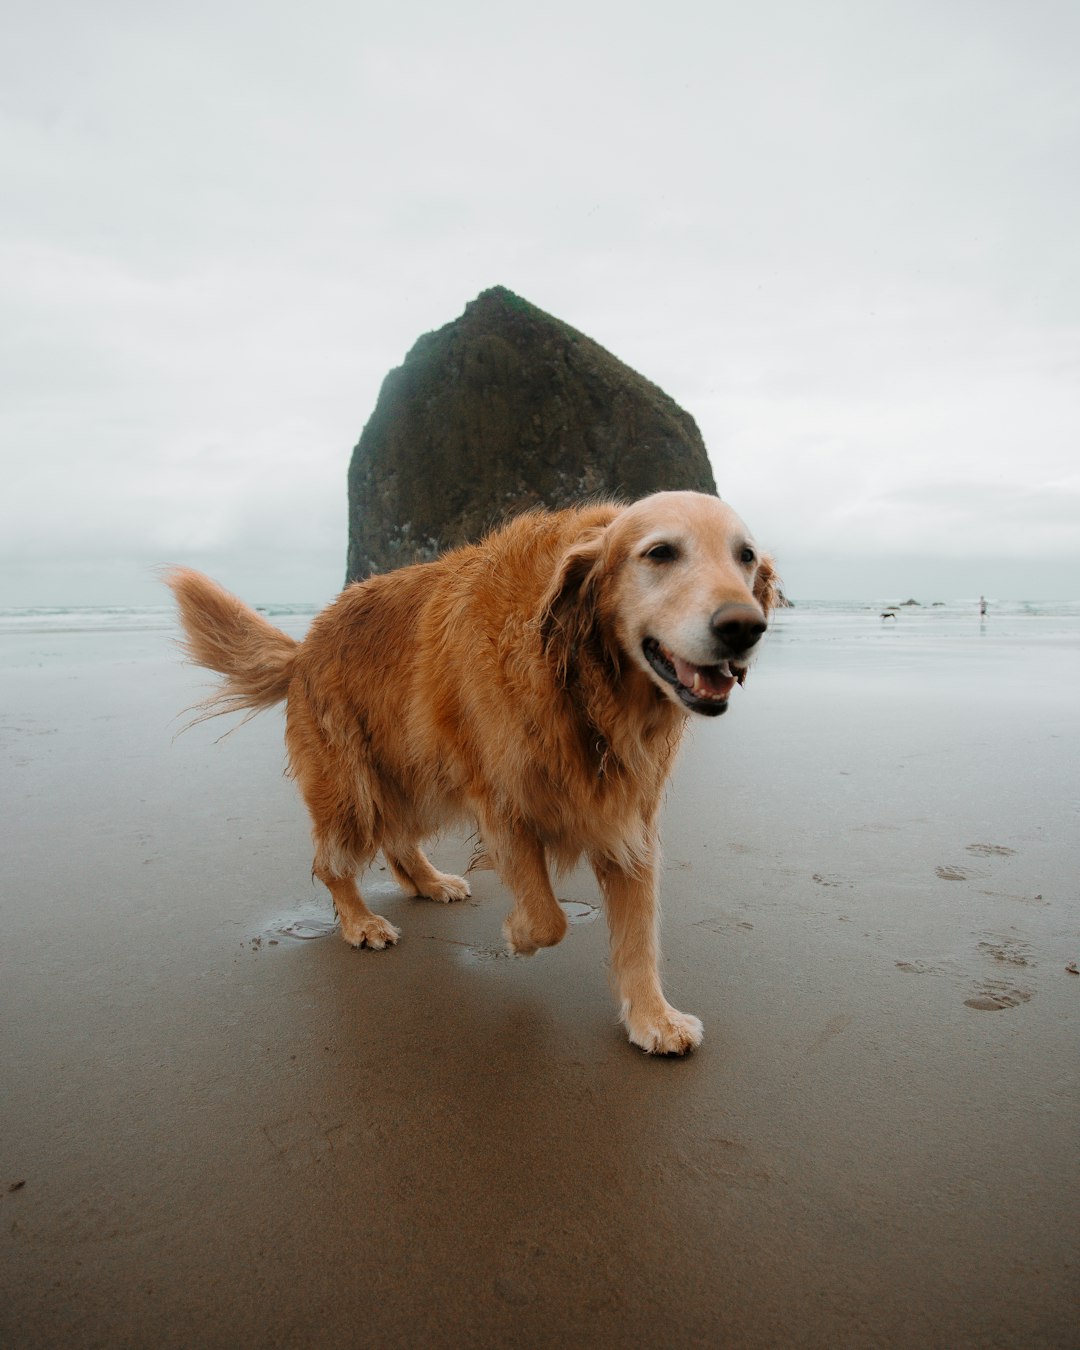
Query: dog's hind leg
{"points": [[343, 848], [416, 876], [343, 813], [340, 855], [537, 919], [359, 926], [630, 901]]}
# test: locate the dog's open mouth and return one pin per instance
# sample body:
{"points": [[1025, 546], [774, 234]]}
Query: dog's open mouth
{"points": [[702, 689]]}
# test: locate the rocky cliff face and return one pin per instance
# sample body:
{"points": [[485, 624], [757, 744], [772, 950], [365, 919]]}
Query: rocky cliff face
{"points": [[504, 409]]}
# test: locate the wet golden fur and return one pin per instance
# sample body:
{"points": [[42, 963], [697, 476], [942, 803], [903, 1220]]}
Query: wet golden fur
{"points": [[502, 684]]}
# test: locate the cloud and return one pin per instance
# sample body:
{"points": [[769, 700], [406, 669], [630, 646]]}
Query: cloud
{"points": [[842, 237]]}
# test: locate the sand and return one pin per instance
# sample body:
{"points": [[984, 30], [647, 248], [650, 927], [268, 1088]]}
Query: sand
{"points": [[223, 1128]]}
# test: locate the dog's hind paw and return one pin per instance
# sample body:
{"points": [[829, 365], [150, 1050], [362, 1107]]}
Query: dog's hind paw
{"points": [[668, 1033], [371, 931], [446, 888]]}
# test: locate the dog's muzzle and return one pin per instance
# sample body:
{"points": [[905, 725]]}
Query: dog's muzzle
{"points": [[706, 689]]}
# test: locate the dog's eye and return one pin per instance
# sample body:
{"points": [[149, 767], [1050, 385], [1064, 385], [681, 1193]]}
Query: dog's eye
{"points": [[662, 553], [747, 556]]}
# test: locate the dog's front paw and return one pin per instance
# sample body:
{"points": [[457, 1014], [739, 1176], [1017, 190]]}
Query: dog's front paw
{"points": [[665, 1032], [524, 936], [371, 931]]}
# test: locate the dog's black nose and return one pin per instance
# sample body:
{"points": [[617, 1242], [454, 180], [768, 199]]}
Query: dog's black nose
{"points": [[737, 626]]}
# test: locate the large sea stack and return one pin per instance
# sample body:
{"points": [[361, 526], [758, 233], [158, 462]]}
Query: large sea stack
{"points": [[504, 409]]}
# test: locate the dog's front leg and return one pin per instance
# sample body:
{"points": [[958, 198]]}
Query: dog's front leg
{"points": [[537, 919], [650, 1020]]}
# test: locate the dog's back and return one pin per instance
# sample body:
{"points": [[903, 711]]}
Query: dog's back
{"points": [[429, 682]]}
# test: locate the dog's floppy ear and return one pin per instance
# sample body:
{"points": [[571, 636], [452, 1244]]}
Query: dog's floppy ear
{"points": [[767, 585], [767, 593], [568, 610]]}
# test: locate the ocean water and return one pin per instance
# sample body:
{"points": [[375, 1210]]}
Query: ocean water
{"points": [[62, 636], [120, 618], [1019, 650], [956, 622]]}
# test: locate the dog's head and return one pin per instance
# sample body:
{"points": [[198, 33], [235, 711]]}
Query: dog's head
{"points": [[674, 586]]}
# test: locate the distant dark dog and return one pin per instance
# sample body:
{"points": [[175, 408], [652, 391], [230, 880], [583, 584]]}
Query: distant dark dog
{"points": [[537, 684]]}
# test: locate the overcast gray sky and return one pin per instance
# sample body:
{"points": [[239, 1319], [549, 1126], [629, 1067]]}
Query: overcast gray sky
{"points": [[842, 235]]}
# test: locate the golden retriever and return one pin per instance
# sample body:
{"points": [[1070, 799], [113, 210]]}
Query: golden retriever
{"points": [[537, 684]]}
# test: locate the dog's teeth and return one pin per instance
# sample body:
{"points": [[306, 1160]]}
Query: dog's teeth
{"points": [[697, 682]]}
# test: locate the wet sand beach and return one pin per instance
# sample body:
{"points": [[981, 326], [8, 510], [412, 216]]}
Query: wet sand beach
{"points": [[220, 1127]]}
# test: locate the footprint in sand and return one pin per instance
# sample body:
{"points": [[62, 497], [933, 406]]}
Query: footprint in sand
{"points": [[300, 928], [921, 968], [1009, 951], [487, 952], [1036, 899], [725, 923], [991, 850], [948, 873], [996, 996]]}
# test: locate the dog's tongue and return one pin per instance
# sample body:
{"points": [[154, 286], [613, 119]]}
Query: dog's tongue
{"points": [[711, 680]]}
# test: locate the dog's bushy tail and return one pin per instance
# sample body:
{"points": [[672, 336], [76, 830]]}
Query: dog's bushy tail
{"points": [[225, 635]]}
